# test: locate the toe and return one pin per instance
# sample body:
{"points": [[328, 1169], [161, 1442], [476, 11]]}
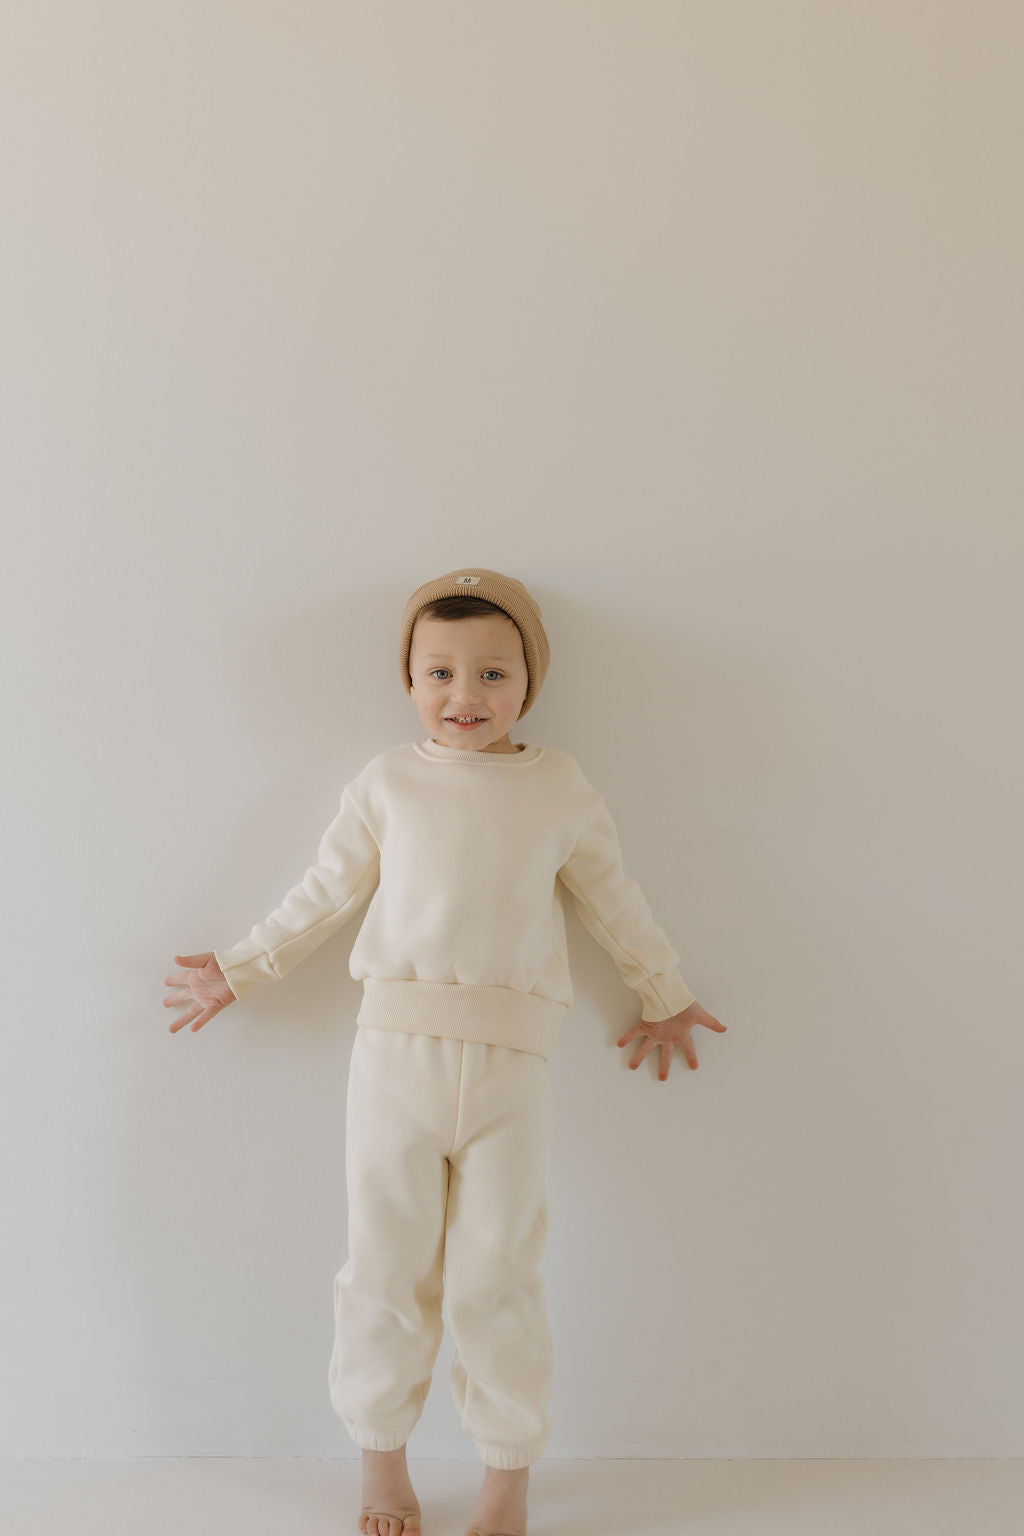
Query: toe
{"points": [[389, 1525]]}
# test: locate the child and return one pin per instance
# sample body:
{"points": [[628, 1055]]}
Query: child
{"points": [[460, 839]]}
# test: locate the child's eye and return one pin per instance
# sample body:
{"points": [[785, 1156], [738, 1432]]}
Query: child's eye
{"points": [[436, 670]]}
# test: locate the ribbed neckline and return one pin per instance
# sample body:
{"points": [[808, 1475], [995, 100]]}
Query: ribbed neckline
{"points": [[428, 747]]}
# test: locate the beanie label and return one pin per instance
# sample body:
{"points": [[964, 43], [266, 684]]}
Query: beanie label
{"points": [[467, 581]]}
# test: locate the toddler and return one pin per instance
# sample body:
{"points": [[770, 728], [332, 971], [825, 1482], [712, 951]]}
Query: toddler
{"points": [[462, 840]]}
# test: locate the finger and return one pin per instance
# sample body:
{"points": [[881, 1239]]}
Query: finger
{"points": [[186, 1018], [629, 1033], [197, 1020], [645, 1046], [689, 1051], [665, 1051], [183, 980]]}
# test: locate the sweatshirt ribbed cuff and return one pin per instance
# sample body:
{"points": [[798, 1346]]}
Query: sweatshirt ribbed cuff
{"points": [[245, 965], [664, 996]]}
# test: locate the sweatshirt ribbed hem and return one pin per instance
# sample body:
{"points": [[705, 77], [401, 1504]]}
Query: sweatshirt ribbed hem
{"points": [[454, 1010]]}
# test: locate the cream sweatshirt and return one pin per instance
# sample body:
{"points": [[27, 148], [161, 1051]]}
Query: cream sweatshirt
{"points": [[464, 856]]}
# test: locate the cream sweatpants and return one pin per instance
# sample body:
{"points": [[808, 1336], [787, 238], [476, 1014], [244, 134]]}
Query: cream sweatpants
{"points": [[445, 1159]]}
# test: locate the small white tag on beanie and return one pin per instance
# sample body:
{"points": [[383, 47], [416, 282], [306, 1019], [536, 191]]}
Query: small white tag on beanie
{"points": [[467, 581]]}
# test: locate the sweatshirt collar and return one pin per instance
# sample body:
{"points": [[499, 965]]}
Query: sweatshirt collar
{"points": [[428, 747]]}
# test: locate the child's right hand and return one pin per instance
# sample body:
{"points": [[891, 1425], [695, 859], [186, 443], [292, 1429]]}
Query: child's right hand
{"points": [[207, 988]]}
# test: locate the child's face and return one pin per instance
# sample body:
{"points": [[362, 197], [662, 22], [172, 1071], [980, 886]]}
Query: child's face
{"points": [[469, 667]]}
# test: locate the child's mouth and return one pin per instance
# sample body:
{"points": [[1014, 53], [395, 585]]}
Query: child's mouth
{"points": [[470, 725]]}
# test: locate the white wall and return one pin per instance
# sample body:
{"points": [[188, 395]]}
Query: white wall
{"points": [[706, 322]]}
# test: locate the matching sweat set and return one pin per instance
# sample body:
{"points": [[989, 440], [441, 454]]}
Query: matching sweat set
{"points": [[462, 956]]}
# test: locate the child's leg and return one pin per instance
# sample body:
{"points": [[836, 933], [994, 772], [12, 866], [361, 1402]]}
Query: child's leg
{"points": [[387, 1297], [496, 1228]]}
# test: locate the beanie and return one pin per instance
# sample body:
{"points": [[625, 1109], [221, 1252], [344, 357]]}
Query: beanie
{"points": [[508, 594]]}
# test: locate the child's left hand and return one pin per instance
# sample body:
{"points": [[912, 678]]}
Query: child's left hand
{"points": [[668, 1033]]}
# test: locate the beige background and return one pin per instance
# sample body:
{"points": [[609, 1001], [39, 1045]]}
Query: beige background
{"points": [[705, 321]]}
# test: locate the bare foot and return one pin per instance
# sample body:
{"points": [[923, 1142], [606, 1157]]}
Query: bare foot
{"points": [[390, 1506], [501, 1505]]}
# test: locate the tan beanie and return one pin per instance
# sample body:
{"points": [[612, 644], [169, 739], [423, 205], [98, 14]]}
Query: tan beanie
{"points": [[509, 595]]}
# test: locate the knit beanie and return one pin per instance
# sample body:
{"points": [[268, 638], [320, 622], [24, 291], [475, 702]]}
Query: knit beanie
{"points": [[508, 594]]}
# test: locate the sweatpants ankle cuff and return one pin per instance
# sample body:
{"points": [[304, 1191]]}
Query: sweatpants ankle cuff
{"points": [[368, 1440], [509, 1459]]}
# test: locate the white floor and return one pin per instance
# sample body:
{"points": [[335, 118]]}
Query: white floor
{"points": [[222, 1496]]}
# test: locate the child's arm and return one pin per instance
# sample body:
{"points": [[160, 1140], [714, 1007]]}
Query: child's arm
{"points": [[613, 908], [346, 871]]}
